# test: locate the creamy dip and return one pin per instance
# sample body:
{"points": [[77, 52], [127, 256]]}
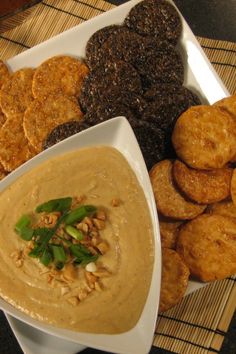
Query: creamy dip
{"points": [[102, 174]]}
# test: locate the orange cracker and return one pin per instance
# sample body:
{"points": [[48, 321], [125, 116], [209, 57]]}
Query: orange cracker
{"points": [[59, 74], [169, 201], [3, 173], [169, 229], [2, 118], [203, 186], [42, 116], [228, 104], [14, 147], [174, 282], [208, 246], [16, 92], [4, 73], [225, 208], [204, 137]]}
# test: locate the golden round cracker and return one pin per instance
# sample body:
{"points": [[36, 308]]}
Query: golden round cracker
{"points": [[174, 282], [203, 186], [169, 229], [3, 173], [4, 73], [169, 201], [3, 118], [16, 92], [225, 208], [59, 74], [14, 147], [208, 246], [233, 187], [228, 104], [42, 116], [204, 137]]}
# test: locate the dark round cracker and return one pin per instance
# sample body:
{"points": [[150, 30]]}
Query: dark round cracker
{"points": [[117, 73], [114, 100], [166, 103], [95, 42], [105, 112], [155, 18], [152, 141], [64, 131], [164, 65]]}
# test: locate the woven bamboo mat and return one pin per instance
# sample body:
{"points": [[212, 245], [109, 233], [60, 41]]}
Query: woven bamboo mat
{"points": [[198, 324]]}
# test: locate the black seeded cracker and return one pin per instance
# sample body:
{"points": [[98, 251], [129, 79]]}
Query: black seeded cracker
{"points": [[155, 18], [93, 46], [63, 131], [166, 103], [113, 74], [152, 142]]}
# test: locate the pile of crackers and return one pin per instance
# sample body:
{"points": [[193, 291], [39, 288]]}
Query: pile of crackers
{"points": [[33, 102], [196, 199]]}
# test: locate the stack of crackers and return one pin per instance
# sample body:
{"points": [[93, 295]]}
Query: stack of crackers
{"points": [[33, 102], [196, 199]]}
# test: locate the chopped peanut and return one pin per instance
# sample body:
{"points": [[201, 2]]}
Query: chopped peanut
{"points": [[115, 202], [97, 286], [101, 273], [92, 250], [100, 215], [100, 224], [65, 290], [19, 263], [82, 294], [103, 247], [88, 221], [73, 300], [69, 272]]}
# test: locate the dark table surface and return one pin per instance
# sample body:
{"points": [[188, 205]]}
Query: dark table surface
{"points": [[214, 19]]}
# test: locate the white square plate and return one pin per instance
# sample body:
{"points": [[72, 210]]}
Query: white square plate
{"points": [[199, 76], [116, 133]]}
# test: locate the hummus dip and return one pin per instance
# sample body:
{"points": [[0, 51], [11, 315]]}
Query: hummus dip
{"points": [[101, 174]]}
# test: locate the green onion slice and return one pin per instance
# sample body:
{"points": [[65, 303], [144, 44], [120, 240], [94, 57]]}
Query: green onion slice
{"points": [[73, 232], [79, 214], [46, 257], [61, 204], [23, 229], [59, 254], [82, 254]]}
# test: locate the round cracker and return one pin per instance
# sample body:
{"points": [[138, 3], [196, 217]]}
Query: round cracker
{"points": [[3, 173], [225, 208], [63, 131], [202, 186], [228, 104], [3, 118], [169, 201], [42, 116], [59, 74], [233, 187], [14, 147], [155, 18], [204, 137], [16, 92], [169, 230], [174, 282], [208, 247], [4, 73]]}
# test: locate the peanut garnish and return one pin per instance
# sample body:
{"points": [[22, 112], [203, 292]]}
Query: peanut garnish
{"points": [[100, 273], [73, 300], [101, 215], [82, 294], [103, 247], [69, 272], [115, 202], [97, 286], [65, 290], [100, 224]]}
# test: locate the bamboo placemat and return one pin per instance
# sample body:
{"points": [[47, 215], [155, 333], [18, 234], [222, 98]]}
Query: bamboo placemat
{"points": [[199, 323]]}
